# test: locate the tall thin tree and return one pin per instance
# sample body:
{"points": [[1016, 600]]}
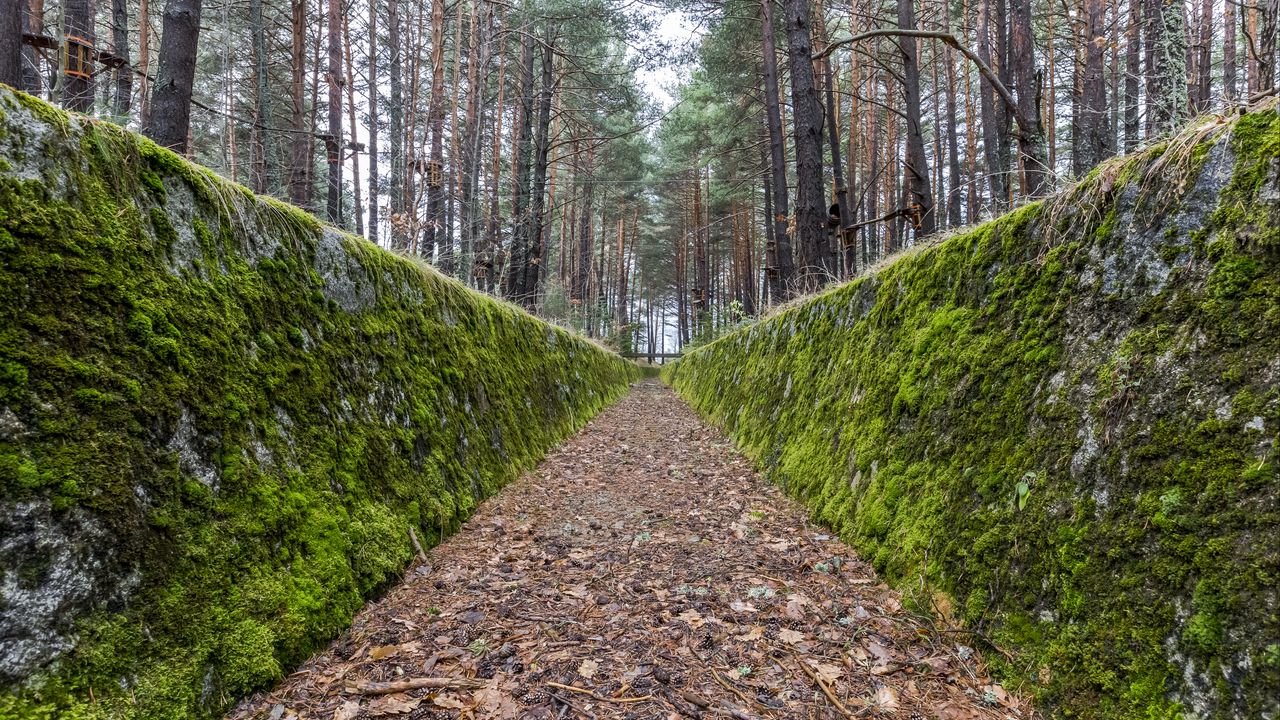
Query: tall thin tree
{"points": [[813, 254], [300, 148], [122, 98], [916, 191], [170, 121], [333, 139], [779, 244], [12, 23]]}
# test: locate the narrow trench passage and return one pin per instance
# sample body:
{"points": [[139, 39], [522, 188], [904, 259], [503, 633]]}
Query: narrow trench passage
{"points": [[643, 570]]}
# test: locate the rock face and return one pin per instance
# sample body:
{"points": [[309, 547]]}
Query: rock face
{"points": [[219, 420], [1059, 427]]}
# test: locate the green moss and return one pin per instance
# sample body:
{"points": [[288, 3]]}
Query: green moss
{"points": [[322, 434], [1071, 468]]}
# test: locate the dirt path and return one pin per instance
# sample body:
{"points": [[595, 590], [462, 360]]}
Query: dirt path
{"points": [[643, 570]]}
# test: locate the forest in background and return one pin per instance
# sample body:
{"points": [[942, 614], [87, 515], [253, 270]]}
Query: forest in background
{"points": [[514, 146]]}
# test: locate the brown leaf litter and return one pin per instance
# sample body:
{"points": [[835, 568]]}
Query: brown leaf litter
{"points": [[643, 570]]}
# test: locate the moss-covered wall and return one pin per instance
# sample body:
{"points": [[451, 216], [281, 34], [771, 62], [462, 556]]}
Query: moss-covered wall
{"points": [[219, 419], [1058, 428]]}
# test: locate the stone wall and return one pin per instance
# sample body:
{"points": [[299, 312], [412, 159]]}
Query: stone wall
{"points": [[1058, 428], [219, 419]]}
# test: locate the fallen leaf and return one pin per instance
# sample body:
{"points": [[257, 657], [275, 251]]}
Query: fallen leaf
{"points": [[826, 672], [383, 652], [347, 710], [755, 633], [578, 591], [693, 617], [588, 669], [397, 704], [794, 610], [938, 663], [999, 693], [493, 704], [788, 635], [882, 653], [885, 699], [448, 700]]}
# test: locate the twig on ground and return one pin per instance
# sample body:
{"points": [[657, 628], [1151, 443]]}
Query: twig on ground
{"points": [[823, 687], [439, 683], [596, 696], [417, 546], [573, 706], [725, 684]]}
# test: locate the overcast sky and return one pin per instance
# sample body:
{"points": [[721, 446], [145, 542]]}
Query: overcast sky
{"points": [[677, 29]]}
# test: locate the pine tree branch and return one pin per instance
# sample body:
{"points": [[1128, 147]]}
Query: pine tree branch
{"points": [[947, 38]]}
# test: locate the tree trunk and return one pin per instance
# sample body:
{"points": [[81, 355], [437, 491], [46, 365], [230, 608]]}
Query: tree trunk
{"points": [[1115, 81], [31, 19], [917, 191], [435, 118], [1051, 58], [312, 120], [1268, 30], [1249, 23], [774, 293], [144, 60], [1132, 74], [1166, 41], [811, 209], [620, 309], [837, 167], [780, 268], [993, 111], [1230, 64], [448, 248], [1092, 144], [1203, 55], [395, 131], [582, 263], [542, 151], [350, 82], [701, 276], [871, 188], [477, 74], [333, 140], [77, 63], [12, 22], [258, 163], [1031, 141], [953, 142], [522, 151], [374, 127], [171, 96], [123, 99], [489, 255], [972, 202], [299, 149]]}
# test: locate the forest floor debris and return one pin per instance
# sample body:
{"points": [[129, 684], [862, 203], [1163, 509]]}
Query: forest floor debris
{"points": [[643, 570]]}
